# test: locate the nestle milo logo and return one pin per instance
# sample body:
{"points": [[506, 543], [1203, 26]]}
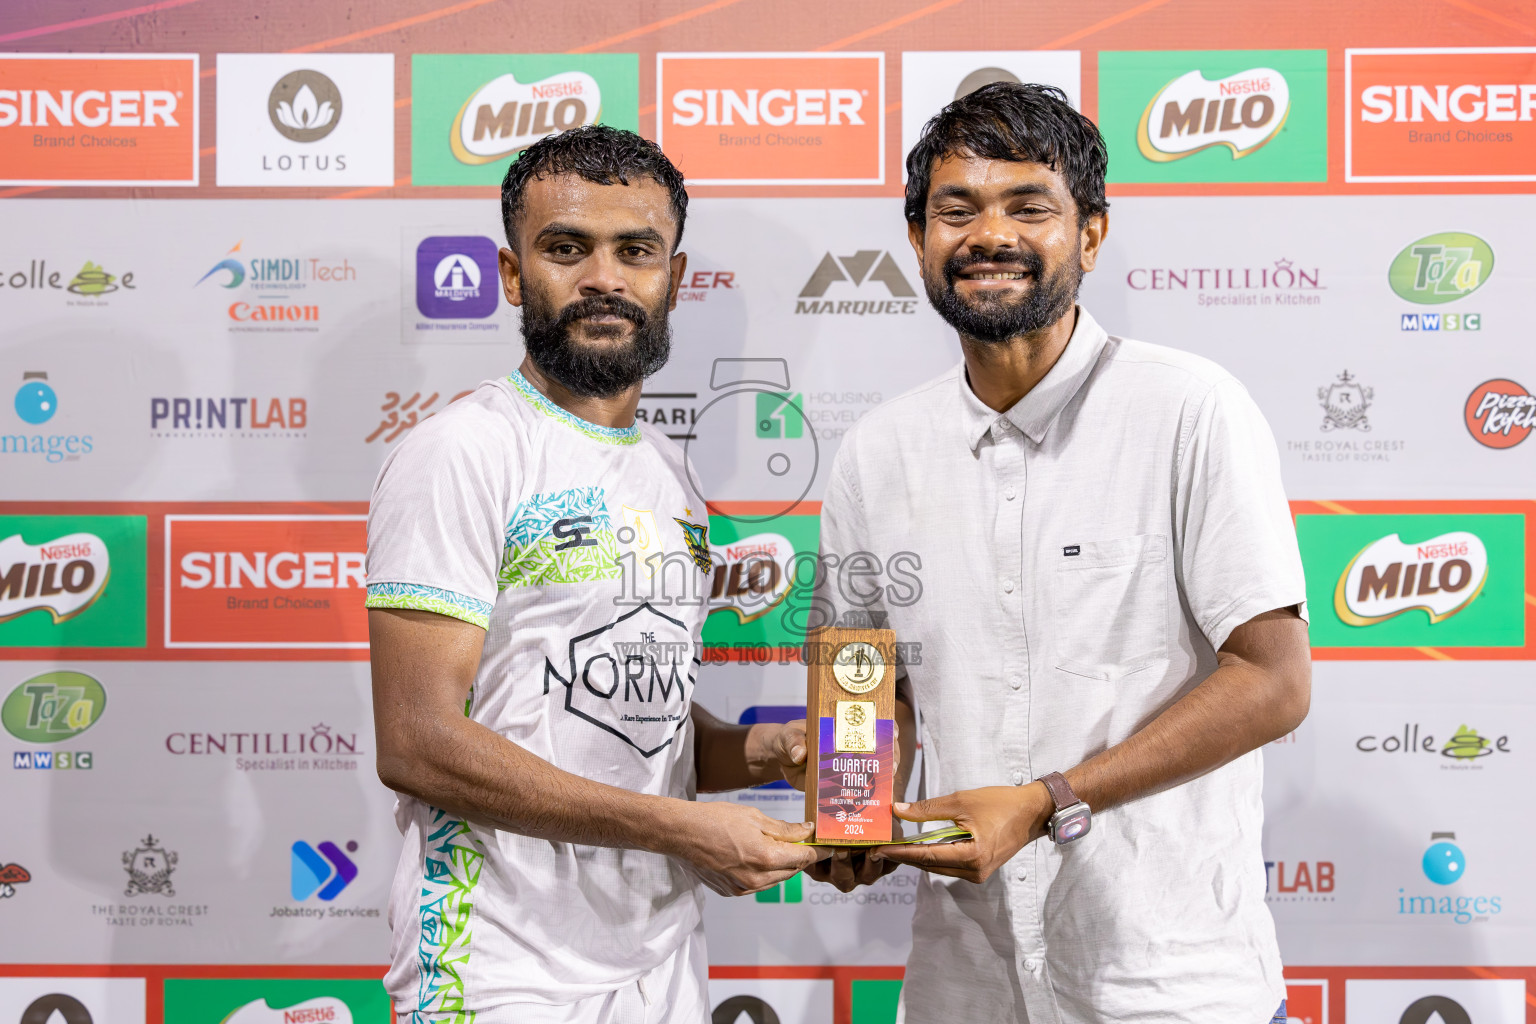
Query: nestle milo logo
{"points": [[1440, 576], [64, 576], [53, 706], [505, 116], [1190, 113], [1441, 268]]}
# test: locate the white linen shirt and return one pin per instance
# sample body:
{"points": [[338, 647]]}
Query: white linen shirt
{"points": [[1082, 557]]}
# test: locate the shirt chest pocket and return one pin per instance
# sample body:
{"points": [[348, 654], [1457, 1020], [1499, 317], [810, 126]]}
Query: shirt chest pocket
{"points": [[1110, 607]]}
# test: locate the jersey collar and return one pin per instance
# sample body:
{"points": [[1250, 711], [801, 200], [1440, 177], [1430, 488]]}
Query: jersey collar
{"points": [[537, 399]]}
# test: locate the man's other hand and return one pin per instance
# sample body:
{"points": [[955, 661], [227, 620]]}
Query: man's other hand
{"points": [[738, 850], [1001, 819]]}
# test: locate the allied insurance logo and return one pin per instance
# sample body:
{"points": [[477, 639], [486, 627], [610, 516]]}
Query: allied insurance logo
{"points": [[98, 119], [773, 118], [1202, 116], [1423, 115], [456, 277], [473, 113]]}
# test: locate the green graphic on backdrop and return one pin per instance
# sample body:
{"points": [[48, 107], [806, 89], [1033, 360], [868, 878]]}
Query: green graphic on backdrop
{"points": [[263, 1001], [471, 114], [757, 599], [113, 612], [1493, 616], [1215, 115], [875, 1000], [53, 706], [1441, 268]]}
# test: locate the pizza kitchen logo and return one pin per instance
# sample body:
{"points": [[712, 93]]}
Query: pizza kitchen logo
{"points": [[1242, 112], [1500, 413], [1440, 576]]}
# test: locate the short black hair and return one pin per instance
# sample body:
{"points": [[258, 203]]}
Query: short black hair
{"points": [[1009, 121], [601, 155]]}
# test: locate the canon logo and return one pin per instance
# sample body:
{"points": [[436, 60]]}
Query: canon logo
{"points": [[233, 570], [88, 108], [1467, 103], [768, 106]]}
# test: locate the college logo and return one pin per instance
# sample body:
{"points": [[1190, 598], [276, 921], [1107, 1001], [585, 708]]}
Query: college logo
{"points": [[872, 267], [90, 283], [1439, 114], [322, 871], [1500, 413], [1255, 115], [12, 875], [304, 106], [473, 113], [52, 707], [457, 277], [265, 581], [1344, 404], [149, 867], [773, 118], [1463, 747], [1415, 579], [98, 119]]}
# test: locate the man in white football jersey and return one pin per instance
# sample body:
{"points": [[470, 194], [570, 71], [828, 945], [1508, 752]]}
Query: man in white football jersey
{"points": [[538, 572]]}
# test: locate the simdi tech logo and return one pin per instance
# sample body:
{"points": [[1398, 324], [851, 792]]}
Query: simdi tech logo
{"points": [[1422, 115], [473, 113], [275, 1001], [72, 581], [269, 291], [98, 119], [1441, 580], [773, 118], [1219, 115]]}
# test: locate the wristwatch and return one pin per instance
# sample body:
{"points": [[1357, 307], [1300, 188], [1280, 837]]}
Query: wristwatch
{"points": [[1072, 819]]}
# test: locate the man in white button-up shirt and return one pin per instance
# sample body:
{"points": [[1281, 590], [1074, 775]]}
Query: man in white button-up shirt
{"points": [[1111, 590]]}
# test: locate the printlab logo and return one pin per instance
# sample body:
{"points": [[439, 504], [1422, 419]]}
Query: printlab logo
{"points": [[456, 277], [199, 417], [1344, 403], [867, 267], [1464, 750], [1437, 269], [1500, 413], [791, 890], [149, 866], [1298, 881], [305, 106], [12, 875], [401, 414], [322, 871]]}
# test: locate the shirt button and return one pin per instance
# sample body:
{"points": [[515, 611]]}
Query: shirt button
{"points": [[1010, 493], [1015, 682], [1007, 586], [1022, 875], [1018, 778], [1031, 964]]}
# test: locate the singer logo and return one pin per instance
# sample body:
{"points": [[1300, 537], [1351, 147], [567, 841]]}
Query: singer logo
{"points": [[265, 581], [1241, 112], [1440, 114], [1441, 576], [1500, 413], [773, 118], [92, 119]]}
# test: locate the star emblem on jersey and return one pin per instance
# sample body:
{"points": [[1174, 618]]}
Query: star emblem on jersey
{"points": [[698, 543], [632, 678]]}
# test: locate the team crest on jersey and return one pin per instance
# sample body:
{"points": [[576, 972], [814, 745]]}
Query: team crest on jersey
{"points": [[698, 543]]}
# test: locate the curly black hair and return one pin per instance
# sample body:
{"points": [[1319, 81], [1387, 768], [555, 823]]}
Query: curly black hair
{"points": [[1009, 121], [601, 155]]}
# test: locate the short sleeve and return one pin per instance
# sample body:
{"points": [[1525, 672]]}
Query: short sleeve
{"points": [[1238, 556], [435, 520]]}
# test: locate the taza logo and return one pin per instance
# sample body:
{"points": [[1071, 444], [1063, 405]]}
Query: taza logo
{"points": [[64, 576], [53, 706], [1441, 268], [505, 116], [305, 106], [1242, 112], [1500, 413], [1441, 576]]}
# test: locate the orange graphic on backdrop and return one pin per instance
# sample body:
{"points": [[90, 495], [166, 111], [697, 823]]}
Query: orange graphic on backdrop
{"points": [[265, 581], [1441, 115], [772, 118], [123, 119]]}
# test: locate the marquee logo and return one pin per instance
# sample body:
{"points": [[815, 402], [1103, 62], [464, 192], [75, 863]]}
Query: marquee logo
{"points": [[867, 267], [1500, 413], [1242, 112], [304, 106], [773, 118], [1441, 576], [1441, 268], [64, 576], [98, 119], [1440, 114], [505, 116]]}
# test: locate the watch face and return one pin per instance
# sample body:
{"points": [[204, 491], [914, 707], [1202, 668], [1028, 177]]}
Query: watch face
{"points": [[1073, 824]]}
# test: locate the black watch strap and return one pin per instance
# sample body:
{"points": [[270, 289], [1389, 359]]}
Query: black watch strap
{"points": [[1061, 793]]}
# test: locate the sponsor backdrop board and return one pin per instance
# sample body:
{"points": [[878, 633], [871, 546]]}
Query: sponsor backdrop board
{"points": [[246, 252]]}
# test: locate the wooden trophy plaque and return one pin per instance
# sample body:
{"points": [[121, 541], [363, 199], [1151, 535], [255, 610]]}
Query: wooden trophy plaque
{"points": [[850, 730]]}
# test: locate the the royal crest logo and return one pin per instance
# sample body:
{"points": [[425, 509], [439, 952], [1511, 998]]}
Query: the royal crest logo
{"points": [[149, 868], [505, 116], [1242, 112], [1441, 576], [696, 536], [1344, 404], [63, 576]]}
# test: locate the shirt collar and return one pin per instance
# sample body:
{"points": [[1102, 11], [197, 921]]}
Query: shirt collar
{"points": [[1036, 411]]}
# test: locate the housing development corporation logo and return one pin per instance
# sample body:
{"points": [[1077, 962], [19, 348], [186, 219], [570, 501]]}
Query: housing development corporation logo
{"points": [[873, 273], [474, 113], [1500, 413], [98, 119], [1441, 114], [1200, 116], [773, 118]]}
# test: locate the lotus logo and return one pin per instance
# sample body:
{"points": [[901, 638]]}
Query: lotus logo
{"points": [[1441, 268], [1441, 576], [1189, 114], [63, 576], [305, 106], [505, 116]]}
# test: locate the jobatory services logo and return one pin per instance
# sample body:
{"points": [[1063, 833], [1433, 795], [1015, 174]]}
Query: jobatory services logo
{"points": [[306, 119], [1500, 413], [321, 871], [275, 1000], [98, 119], [1283, 282], [456, 277], [271, 292], [1209, 116], [1415, 579], [872, 274], [773, 118], [205, 417], [473, 113], [1440, 114]]}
